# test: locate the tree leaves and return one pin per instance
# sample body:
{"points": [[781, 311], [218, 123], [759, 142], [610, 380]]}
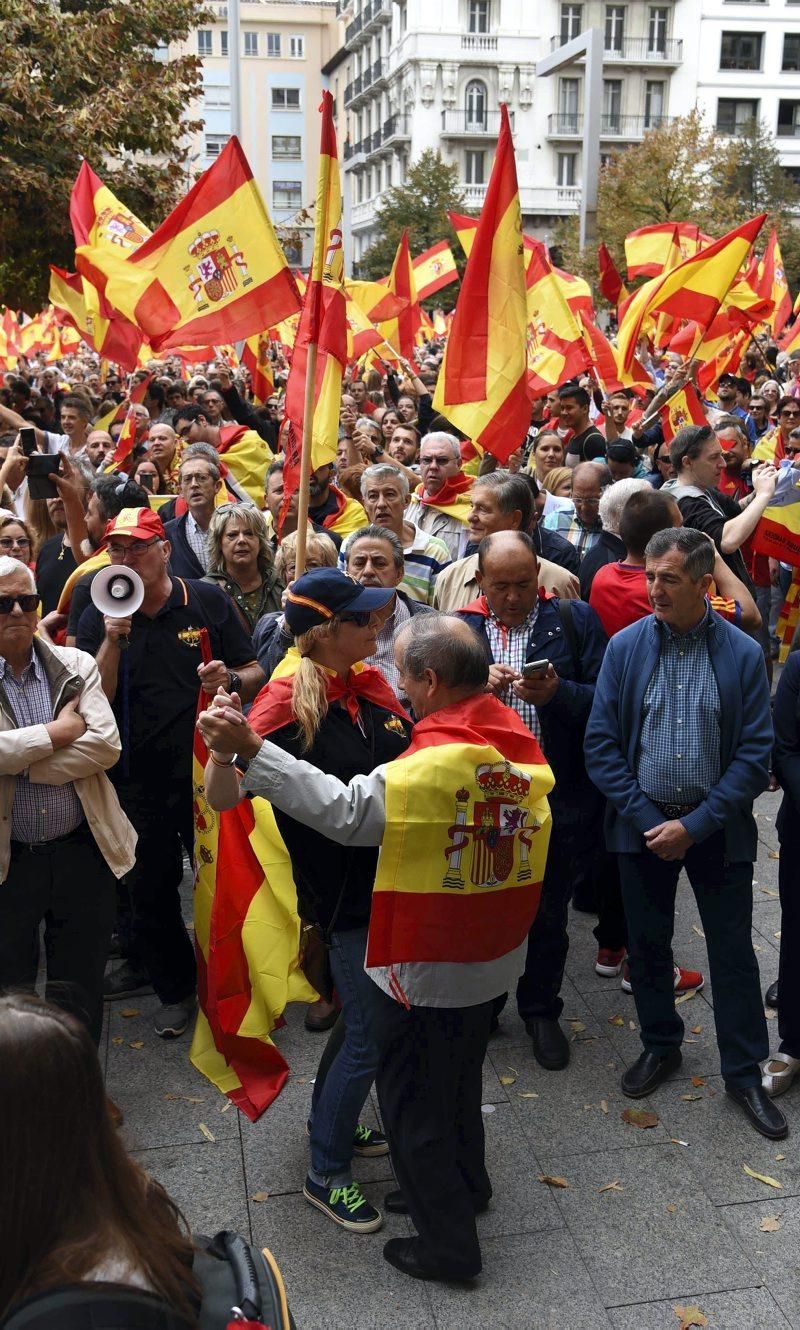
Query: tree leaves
{"points": [[640, 1117], [690, 1316], [549, 1180]]}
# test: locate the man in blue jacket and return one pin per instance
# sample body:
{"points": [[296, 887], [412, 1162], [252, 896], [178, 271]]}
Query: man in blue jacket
{"points": [[518, 624], [679, 741]]}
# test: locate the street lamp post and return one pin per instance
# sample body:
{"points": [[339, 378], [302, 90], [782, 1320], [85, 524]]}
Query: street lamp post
{"points": [[235, 68], [589, 44]]}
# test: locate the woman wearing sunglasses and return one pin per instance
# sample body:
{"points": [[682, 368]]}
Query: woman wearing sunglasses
{"points": [[323, 705]]}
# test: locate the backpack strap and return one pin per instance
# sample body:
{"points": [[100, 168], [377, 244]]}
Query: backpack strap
{"points": [[86, 1306], [568, 625]]}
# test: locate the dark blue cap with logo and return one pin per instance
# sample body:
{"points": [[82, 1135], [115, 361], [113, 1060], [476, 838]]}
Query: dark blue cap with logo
{"points": [[324, 592]]}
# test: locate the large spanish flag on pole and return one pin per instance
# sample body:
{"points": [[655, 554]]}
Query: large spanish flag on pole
{"points": [[213, 272], [400, 330], [483, 382], [314, 386], [115, 338], [648, 251], [434, 269], [465, 886], [774, 286]]}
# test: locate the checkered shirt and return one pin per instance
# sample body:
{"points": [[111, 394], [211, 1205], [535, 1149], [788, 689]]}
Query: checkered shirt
{"points": [[509, 646], [567, 524], [197, 541], [39, 812], [383, 657]]}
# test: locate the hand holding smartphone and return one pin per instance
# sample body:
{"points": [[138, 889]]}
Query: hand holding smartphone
{"points": [[534, 669]]}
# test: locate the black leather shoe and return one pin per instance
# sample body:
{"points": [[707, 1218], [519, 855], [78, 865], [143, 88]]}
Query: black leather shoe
{"points": [[395, 1203], [550, 1046], [648, 1071], [405, 1254], [771, 995], [765, 1116]]}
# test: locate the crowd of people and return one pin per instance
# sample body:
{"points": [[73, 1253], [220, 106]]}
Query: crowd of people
{"points": [[585, 619]]}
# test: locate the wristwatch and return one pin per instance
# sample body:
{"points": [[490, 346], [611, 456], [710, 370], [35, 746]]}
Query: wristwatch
{"points": [[234, 682]]}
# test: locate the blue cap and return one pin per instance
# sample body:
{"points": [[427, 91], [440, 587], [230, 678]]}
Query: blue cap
{"points": [[324, 592]]}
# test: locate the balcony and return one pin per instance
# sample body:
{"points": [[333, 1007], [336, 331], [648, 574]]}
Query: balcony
{"points": [[353, 35], [637, 51], [396, 127], [376, 13], [377, 75], [478, 41], [473, 195], [353, 90], [373, 142], [466, 124], [568, 125]]}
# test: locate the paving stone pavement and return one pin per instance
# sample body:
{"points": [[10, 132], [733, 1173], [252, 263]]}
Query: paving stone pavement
{"points": [[680, 1228]]}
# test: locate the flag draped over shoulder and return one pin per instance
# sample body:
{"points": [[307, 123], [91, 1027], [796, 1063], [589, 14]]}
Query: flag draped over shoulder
{"points": [[483, 382], [434, 269], [778, 530], [467, 828], [212, 272]]}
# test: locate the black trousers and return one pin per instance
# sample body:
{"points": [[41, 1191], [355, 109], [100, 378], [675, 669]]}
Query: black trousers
{"points": [[788, 966], [611, 929], [429, 1087], [158, 942], [68, 884], [724, 893]]}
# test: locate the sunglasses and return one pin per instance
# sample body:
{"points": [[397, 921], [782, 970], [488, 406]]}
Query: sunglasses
{"points": [[790, 415], [8, 542], [360, 618], [27, 603]]}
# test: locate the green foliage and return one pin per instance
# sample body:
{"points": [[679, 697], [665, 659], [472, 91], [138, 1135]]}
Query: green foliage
{"points": [[81, 78], [421, 204]]}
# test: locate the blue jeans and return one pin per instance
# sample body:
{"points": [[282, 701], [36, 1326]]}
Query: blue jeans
{"points": [[339, 1099]]}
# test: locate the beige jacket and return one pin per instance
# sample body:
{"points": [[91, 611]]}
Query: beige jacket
{"points": [[71, 673], [456, 585]]}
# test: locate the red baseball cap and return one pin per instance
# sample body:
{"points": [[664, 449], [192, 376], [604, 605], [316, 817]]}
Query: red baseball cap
{"points": [[138, 523]]}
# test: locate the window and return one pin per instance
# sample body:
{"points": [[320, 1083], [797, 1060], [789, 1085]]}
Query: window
{"points": [[287, 146], [223, 41], [215, 143], [274, 45], [388, 173], [402, 18], [475, 167], [216, 98], [657, 21], [204, 41], [741, 50], [793, 172], [297, 48], [565, 168], [568, 93], [615, 28], [612, 105], [475, 105], [788, 120], [653, 104], [478, 16], [733, 116], [287, 194], [251, 43], [286, 99], [571, 22], [791, 52]]}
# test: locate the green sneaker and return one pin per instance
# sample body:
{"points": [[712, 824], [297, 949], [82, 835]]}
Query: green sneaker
{"points": [[369, 1143], [346, 1206]]}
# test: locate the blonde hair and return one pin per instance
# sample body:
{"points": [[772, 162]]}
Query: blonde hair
{"points": [[309, 683], [556, 477], [317, 544]]}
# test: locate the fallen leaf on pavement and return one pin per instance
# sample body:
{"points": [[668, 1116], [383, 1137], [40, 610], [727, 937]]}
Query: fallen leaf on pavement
{"points": [[774, 854], [206, 1131], [616, 1020], [778, 1158], [225, 1107], [127, 1012], [611, 1186], [690, 1316], [763, 1177], [778, 935], [185, 1098], [118, 1040], [770, 1224], [507, 1080], [137, 1043], [577, 1027], [685, 997], [640, 1117], [767, 891], [552, 1181], [697, 1029], [528, 1094], [673, 1140], [672, 1209], [603, 1105], [770, 1013], [690, 1098], [697, 930], [697, 1080], [259, 1196], [632, 1025]]}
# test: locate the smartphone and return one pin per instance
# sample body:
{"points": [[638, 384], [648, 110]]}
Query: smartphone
{"points": [[27, 439], [40, 468], [533, 668], [148, 482]]}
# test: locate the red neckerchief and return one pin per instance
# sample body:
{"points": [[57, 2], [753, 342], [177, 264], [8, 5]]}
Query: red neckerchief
{"points": [[449, 492], [272, 708]]}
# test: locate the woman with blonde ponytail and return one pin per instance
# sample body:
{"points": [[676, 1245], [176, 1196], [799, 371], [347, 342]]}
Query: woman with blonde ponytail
{"points": [[323, 705]]}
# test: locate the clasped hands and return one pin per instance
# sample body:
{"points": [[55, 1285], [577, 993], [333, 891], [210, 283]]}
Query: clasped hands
{"points": [[224, 728], [669, 840]]}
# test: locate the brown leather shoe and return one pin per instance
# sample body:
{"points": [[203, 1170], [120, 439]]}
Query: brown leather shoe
{"points": [[115, 1113], [321, 1015]]}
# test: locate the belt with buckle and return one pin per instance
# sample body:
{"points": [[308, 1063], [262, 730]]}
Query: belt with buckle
{"points": [[673, 811], [49, 846]]}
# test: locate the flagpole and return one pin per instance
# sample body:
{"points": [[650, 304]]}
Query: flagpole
{"points": [[305, 460]]}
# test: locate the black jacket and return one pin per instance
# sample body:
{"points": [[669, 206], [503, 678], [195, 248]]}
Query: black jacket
{"points": [[182, 561]]}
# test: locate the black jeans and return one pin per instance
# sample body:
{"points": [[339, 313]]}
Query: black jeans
{"points": [[789, 964], [724, 893], [68, 884], [429, 1087], [159, 943], [611, 930]]}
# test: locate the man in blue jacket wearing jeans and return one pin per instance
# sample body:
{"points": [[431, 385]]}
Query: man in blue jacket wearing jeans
{"points": [[679, 741]]}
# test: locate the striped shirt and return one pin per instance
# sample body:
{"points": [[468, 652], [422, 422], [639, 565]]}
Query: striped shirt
{"points": [[425, 558], [509, 646], [679, 745], [39, 812]]}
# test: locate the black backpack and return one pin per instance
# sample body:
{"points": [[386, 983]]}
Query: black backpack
{"points": [[240, 1286]]}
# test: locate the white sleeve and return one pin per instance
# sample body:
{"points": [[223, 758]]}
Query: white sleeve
{"points": [[353, 814]]}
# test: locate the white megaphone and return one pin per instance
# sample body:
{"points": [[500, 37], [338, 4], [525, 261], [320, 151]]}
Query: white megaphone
{"points": [[117, 591]]}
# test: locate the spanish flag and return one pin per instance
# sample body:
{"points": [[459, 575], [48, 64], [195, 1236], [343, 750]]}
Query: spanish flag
{"points": [[400, 331], [115, 338], [774, 286], [682, 408], [555, 346], [611, 284], [648, 250], [483, 383], [465, 886], [213, 272], [778, 530], [256, 359], [323, 323], [433, 269]]}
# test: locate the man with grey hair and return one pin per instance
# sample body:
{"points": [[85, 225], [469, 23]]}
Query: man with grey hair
{"points": [[198, 481], [374, 557], [679, 740], [608, 548], [384, 491], [440, 505]]}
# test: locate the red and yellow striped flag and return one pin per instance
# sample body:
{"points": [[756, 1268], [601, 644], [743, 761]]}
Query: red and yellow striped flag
{"points": [[555, 346], [774, 286], [778, 530], [115, 338], [213, 272], [256, 359], [611, 284], [483, 383], [433, 269], [648, 250], [682, 408], [400, 330], [466, 886]]}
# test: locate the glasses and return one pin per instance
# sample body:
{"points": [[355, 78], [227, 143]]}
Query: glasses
{"points": [[8, 542], [134, 552], [360, 618], [790, 415], [27, 603], [791, 449]]}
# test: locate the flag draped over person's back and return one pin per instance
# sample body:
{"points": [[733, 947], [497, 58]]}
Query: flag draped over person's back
{"points": [[483, 382], [323, 323], [212, 272]]}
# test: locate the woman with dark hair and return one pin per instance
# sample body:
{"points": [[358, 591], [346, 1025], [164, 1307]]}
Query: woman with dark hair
{"points": [[77, 1207]]}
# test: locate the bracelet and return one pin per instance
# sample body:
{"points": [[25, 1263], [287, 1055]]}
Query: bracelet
{"points": [[217, 762]]}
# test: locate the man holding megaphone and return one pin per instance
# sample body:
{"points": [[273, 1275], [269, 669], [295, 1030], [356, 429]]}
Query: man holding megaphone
{"points": [[144, 629]]}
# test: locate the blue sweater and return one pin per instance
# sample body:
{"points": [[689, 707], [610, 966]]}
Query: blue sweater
{"points": [[612, 738]]}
